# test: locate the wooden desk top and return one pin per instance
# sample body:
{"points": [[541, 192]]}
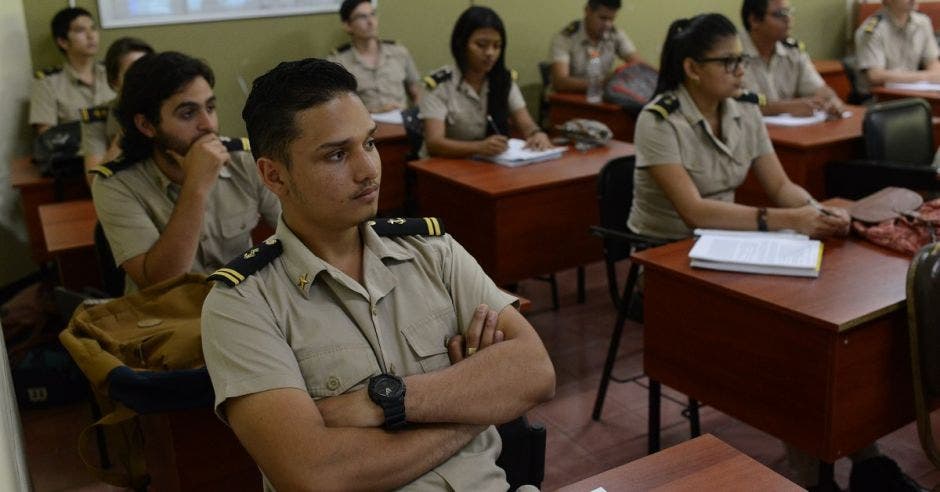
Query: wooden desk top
{"points": [[495, 180], [858, 281], [578, 99], [24, 173], [389, 131], [826, 133], [703, 463], [828, 66], [68, 225], [930, 96]]}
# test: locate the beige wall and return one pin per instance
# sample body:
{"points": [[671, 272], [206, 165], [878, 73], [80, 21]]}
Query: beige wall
{"points": [[246, 48]]}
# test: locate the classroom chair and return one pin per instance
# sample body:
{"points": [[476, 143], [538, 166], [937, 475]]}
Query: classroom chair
{"points": [[923, 315]]}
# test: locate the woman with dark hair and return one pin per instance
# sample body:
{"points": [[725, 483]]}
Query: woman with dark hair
{"points": [[468, 108], [697, 140]]}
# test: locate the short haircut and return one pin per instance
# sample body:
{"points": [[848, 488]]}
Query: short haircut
{"points": [[63, 20], [345, 10], [611, 4], [117, 50], [689, 38], [277, 96], [151, 80], [756, 8]]}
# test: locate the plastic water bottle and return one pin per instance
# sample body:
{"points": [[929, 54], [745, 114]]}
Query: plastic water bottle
{"points": [[595, 76]]}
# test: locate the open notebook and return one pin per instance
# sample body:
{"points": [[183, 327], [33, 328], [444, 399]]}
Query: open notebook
{"points": [[518, 155], [766, 253]]}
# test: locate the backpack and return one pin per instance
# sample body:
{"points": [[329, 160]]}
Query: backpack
{"points": [[631, 86]]}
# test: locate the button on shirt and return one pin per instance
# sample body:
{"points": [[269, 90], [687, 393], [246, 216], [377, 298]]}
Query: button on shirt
{"points": [[574, 49], [716, 166], [460, 107], [890, 46], [135, 204], [385, 83], [59, 98], [790, 73], [417, 293]]}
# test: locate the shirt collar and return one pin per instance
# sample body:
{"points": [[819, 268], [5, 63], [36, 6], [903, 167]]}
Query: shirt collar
{"points": [[464, 87], [730, 112], [749, 48], [100, 74]]}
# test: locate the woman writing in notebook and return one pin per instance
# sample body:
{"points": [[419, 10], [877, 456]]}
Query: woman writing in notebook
{"points": [[468, 108], [697, 139]]}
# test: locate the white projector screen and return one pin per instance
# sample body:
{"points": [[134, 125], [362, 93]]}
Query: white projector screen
{"points": [[126, 13]]}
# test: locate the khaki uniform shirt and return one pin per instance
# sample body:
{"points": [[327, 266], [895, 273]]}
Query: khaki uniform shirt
{"points": [[717, 167], [59, 98], [384, 84], [134, 206], [460, 107], [417, 293], [886, 45], [572, 46], [789, 75], [97, 135]]}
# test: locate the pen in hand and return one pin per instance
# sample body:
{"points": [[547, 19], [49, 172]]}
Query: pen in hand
{"points": [[819, 208], [489, 119]]}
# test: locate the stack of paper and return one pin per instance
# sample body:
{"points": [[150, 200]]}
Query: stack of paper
{"points": [[518, 155], [914, 86], [393, 117], [786, 119], [767, 253]]}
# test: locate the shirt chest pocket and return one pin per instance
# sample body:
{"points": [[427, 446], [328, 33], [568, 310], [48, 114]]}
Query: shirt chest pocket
{"points": [[238, 224], [335, 370], [428, 338]]}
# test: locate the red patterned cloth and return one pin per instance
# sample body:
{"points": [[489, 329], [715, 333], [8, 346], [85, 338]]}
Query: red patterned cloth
{"points": [[904, 234]]}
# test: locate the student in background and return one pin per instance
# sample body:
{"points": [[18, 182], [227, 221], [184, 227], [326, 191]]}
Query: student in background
{"points": [[896, 44], [572, 47], [60, 95], [384, 70], [780, 68], [468, 108], [101, 139]]}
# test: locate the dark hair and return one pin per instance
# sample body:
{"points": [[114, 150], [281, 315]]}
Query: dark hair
{"points": [[63, 20], [757, 8], [148, 82], [500, 80], [345, 10], [117, 50], [611, 4], [689, 38], [277, 96]]}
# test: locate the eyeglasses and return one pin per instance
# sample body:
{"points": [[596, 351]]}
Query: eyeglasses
{"points": [[731, 63], [784, 13]]}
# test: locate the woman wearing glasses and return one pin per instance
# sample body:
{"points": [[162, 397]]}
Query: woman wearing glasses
{"points": [[695, 144]]}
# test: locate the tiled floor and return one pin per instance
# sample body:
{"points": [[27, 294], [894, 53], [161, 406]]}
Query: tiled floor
{"points": [[576, 337]]}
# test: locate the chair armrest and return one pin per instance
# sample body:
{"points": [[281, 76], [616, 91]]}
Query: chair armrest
{"points": [[638, 240]]}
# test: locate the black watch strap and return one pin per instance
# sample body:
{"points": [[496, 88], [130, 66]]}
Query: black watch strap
{"points": [[394, 415]]}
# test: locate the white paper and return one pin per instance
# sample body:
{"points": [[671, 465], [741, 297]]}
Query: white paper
{"points": [[786, 234], [517, 154], [914, 86], [780, 252], [393, 117], [786, 119]]}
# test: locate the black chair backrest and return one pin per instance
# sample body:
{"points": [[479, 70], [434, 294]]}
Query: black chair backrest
{"points": [[923, 290], [614, 198], [414, 129], [899, 131], [523, 453], [545, 72], [112, 276]]}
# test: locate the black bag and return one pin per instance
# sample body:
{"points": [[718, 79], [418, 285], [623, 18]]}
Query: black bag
{"points": [[47, 375], [56, 151]]}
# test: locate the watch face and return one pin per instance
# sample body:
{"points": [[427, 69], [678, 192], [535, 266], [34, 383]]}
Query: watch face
{"points": [[386, 387]]}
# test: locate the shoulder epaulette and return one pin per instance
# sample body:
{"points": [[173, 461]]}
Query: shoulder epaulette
{"points": [[108, 169], [98, 113], [752, 97], [794, 43], [872, 23], [572, 28], [420, 226], [514, 74], [248, 263], [236, 144], [441, 75], [663, 105], [41, 74], [389, 41], [341, 48]]}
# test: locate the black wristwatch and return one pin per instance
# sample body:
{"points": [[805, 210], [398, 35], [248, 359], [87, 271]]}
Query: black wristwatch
{"points": [[388, 392]]}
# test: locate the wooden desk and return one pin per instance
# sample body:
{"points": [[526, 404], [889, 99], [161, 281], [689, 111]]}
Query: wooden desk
{"points": [[518, 222], [833, 73], [821, 363], [566, 106], [68, 229], [393, 146], [704, 463], [886, 94]]}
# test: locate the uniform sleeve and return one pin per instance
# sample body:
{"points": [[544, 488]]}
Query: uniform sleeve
{"points": [[411, 70], [42, 104], [870, 52], [625, 46], [560, 49], [433, 104], [244, 349], [763, 145], [810, 81], [94, 138], [516, 101], [129, 229], [656, 141], [469, 285]]}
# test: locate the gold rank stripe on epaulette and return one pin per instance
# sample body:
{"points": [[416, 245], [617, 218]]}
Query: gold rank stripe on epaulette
{"points": [[795, 44], [108, 169], [437, 77], [663, 105], [572, 28], [248, 263], [41, 74], [753, 98], [398, 226], [91, 115], [872, 23], [236, 144]]}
